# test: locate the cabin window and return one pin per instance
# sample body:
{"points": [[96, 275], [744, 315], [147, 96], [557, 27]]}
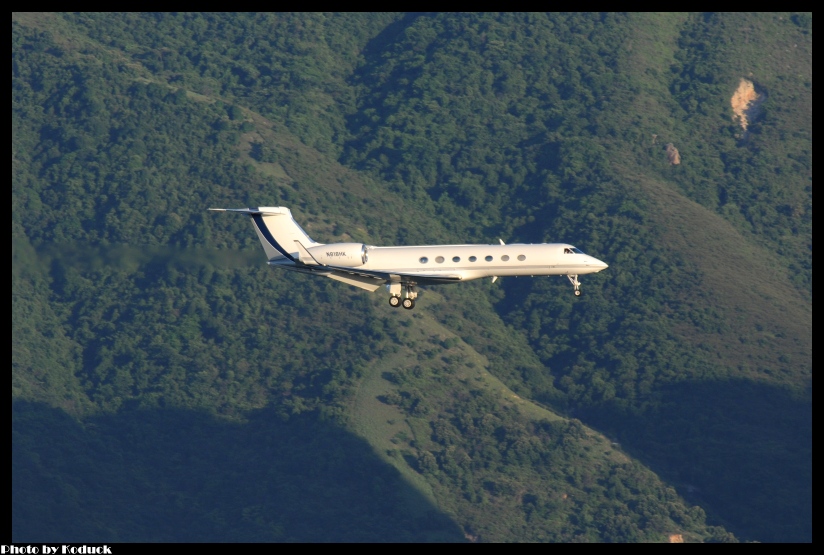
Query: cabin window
{"points": [[424, 260], [505, 258], [488, 259], [473, 258], [521, 257], [456, 259], [439, 259]]}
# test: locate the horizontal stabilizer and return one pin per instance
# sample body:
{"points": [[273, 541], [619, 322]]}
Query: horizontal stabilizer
{"points": [[262, 211]]}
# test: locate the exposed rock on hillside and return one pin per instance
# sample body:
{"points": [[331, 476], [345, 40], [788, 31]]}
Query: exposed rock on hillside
{"points": [[745, 102], [672, 155]]}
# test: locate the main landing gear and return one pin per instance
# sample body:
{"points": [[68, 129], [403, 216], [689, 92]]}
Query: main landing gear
{"points": [[575, 283], [410, 294]]}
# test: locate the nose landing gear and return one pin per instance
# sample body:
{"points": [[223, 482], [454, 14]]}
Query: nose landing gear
{"points": [[573, 279]]}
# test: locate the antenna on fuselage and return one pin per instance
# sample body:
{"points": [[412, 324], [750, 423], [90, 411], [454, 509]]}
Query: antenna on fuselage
{"points": [[495, 278]]}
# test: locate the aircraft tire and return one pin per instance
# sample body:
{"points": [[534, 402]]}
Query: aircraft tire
{"points": [[394, 301], [408, 304], [577, 293]]}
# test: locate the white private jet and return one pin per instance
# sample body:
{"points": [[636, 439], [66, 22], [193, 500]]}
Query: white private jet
{"points": [[402, 269]]}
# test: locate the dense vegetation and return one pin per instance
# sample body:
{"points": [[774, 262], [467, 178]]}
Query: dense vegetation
{"points": [[168, 387]]}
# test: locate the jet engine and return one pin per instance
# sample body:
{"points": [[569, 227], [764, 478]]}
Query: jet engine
{"points": [[350, 255]]}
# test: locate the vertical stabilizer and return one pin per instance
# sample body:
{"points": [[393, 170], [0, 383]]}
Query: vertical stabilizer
{"points": [[276, 229]]}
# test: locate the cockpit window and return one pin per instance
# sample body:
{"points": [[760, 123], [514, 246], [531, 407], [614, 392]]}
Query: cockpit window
{"points": [[572, 250]]}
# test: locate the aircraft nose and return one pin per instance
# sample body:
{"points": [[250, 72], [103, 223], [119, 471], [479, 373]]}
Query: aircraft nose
{"points": [[601, 265]]}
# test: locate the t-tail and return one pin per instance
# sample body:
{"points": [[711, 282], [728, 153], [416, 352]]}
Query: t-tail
{"points": [[277, 230]]}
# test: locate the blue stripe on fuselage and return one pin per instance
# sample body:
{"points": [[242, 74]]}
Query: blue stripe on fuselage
{"points": [[258, 220]]}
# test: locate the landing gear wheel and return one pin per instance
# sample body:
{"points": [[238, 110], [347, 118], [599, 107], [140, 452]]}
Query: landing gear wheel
{"points": [[573, 279], [408, 304], [394, 301]]}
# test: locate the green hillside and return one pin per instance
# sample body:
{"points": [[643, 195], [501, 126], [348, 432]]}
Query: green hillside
{"points": [[168, 386]]}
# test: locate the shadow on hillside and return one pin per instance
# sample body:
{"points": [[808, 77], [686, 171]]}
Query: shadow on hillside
{"points": [[739, 449], [376, 47], [184, 476]]}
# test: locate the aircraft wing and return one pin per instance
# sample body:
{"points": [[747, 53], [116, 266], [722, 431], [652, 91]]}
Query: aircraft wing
{"points": [[368, 279], [401, 277]]}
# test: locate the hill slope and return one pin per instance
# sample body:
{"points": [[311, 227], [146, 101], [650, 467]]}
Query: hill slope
{"points": [[693, 350]]}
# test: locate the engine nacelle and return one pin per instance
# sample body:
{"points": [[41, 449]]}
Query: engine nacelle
{"points": [[349, 255]]}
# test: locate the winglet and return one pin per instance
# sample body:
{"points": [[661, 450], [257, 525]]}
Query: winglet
{"points": [[501, 240], [494, 279]]}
